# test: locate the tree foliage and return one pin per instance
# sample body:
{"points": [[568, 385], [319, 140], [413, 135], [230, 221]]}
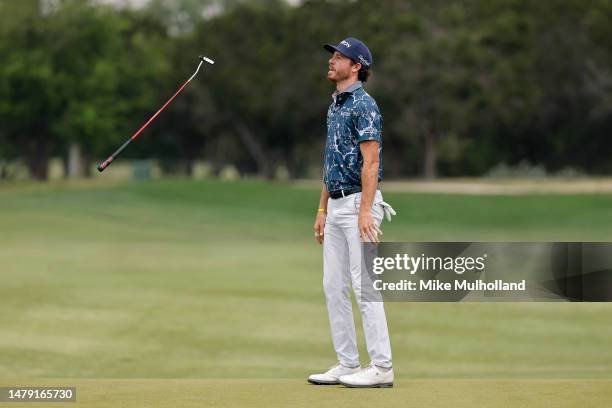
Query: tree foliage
{"points": [[462, 85]]}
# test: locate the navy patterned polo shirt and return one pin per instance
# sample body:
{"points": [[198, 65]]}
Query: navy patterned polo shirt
{"points": [[353, 117]]}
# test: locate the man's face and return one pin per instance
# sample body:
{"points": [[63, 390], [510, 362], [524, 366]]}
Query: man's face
{"points": [[340, 67]]}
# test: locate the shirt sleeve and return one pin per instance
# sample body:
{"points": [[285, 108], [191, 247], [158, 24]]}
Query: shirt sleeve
{"points": [[368, 123]]}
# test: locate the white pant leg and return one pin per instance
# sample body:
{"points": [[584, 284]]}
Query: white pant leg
{"points": [[336, 281], [372, 313]]}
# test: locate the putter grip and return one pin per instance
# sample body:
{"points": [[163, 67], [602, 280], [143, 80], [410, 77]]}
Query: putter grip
{"points": [[104, 165], [108, 161]]}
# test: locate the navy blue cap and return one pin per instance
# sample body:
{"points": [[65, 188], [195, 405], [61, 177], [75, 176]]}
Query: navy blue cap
{"points": [[353, 49]]}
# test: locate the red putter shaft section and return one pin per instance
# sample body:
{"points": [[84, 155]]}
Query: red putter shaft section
{"points": [[160, 110]]}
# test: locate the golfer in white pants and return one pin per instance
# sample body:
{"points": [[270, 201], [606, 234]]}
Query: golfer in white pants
{"points": [[351, 209]]}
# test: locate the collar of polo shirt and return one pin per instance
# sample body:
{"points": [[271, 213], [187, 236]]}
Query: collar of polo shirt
{"points": [[352, 88]]}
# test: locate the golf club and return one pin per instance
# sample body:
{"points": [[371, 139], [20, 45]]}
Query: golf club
{"points": [[112, 157]]}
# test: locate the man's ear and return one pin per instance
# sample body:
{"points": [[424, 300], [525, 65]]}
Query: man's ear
{"points": [[356, 67]]}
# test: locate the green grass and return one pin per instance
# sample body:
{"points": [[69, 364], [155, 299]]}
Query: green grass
{"points": [[192, 393], [210, 280]]}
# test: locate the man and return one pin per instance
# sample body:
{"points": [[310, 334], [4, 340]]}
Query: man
{"points": [[350, 211]]}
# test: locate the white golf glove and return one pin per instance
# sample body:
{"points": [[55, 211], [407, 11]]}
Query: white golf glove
{"points": [[388, 210]]}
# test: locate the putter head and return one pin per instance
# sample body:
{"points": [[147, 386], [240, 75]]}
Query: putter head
{"points": [[206, 59]]}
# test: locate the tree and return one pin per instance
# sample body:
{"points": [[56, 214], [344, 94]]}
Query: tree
{"points": [[75, 74]]}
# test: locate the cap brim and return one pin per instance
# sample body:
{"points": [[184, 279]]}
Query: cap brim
{"points": [[332, 48]]}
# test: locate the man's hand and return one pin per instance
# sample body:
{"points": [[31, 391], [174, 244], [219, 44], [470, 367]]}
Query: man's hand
{"points": [[368, 230], [319, 226]]}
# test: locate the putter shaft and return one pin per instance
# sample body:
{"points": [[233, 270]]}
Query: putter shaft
{"points": [[112, 157]]}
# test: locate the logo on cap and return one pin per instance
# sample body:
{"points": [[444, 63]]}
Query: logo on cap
{"points": [[345, 43], [363, 60]]}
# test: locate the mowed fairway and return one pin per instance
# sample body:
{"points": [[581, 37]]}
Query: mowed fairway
{"points": [[218, 286]]}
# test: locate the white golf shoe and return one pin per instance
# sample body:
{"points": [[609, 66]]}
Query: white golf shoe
{"points": [[370, 377], [332, 375]]}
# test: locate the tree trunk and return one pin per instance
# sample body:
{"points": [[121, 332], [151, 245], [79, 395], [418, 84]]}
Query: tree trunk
{"points": [[254, 148], [189, 167], [75, 162], [37, 157], [429, 162], [86, 160]]}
